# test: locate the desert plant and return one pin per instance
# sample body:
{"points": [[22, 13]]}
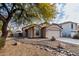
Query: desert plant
{"points": [[76, 36], [53, 38], [2, 42]]}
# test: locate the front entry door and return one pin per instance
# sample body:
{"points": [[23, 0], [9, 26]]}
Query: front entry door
{"points": [[43, 32], [26, 32]]}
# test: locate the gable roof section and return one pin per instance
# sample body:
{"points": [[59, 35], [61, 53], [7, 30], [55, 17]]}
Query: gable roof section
{"points": [[33, 25], [29, 26], [54, 27], [57, 25], [68, 22], [42, 25]]}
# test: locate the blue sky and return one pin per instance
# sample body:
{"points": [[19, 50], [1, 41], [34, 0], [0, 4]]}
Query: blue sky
{"points": [[67, 12]]}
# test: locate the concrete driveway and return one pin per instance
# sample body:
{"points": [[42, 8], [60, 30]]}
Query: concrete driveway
{"points": [[69, 40]]}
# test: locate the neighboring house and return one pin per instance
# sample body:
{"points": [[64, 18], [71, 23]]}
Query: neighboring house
{"points": [[17, 32], [78, 27], [53, 30], [69, 29]]}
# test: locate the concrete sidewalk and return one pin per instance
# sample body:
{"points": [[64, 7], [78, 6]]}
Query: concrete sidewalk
{"points": [[69, 40]]}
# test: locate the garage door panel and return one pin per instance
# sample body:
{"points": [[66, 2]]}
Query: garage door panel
{"points": [[52, 33]]}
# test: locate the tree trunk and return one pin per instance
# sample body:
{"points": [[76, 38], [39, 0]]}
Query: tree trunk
{"points": [[4, 30], [4, 34]]}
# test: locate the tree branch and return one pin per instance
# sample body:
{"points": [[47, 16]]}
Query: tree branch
{"points": [[6, 8], [13, 7], [11, 14], [1, 7]]}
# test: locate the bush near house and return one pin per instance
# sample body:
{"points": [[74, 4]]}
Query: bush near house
{"points": [[76, 36], [2, 42], [53, 38]]}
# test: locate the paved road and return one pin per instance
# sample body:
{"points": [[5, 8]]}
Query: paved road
{"points": [[69, 40]]}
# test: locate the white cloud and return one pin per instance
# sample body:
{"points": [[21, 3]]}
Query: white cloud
{"points": [[71, 12]]}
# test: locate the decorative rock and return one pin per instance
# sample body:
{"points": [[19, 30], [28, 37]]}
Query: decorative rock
{"points": [[37, 47], [14, 44], [47, 49], [59, 49], [41, 48], [67, 51], [61, 45], [73, 54], [62, 51], [69, 54]]}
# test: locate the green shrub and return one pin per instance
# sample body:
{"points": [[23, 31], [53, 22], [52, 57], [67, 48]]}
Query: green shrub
{"points": [[2, 42], [76, 36], [53, 38]]}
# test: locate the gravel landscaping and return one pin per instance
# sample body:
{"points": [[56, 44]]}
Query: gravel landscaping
{"points": [[39, 47], [65, 48]]}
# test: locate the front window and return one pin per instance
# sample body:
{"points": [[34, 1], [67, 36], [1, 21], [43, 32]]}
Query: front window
{"points": [[71, 26], [37, 32]]}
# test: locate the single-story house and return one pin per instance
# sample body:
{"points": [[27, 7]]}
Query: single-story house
{"points": [[69, 29], [42, 31]]}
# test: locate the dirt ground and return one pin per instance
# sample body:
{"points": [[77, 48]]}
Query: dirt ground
{"points": [[28, 49], [23, 50]]}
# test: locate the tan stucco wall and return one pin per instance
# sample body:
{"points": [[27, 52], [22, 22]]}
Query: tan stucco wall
{"points": [[53, 30]]}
